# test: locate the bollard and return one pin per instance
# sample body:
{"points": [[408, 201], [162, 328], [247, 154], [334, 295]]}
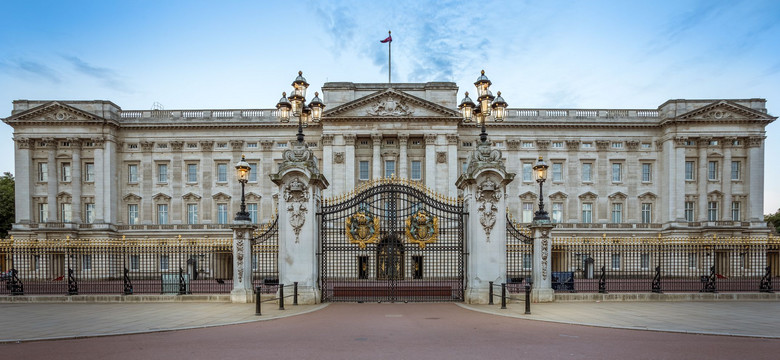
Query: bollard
{"points": [[503, 295], [295, 293], [257, 301], [281, 296], [528, 299], [490, 294]]}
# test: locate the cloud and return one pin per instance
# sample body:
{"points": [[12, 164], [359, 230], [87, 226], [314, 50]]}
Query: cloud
{"points": [[24, 67], [108, 77]]}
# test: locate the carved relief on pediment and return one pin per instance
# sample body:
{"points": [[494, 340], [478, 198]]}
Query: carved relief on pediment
{"points": [[389, 105]]}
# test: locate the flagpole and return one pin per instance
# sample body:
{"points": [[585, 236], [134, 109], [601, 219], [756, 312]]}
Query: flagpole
{"points": [[389, 56]]}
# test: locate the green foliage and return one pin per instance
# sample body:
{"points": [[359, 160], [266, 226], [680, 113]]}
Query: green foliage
{"points": [[773, 219], [6, 203]]}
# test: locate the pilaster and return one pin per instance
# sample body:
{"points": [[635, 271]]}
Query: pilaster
{"points": [[452, 164], [376, 161], [76, 178], [403, 161], [430, 161], [349, 161], [25, 176]]}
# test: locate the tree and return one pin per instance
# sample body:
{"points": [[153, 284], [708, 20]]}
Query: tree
{"points": [[773, 219], [6, 203]]}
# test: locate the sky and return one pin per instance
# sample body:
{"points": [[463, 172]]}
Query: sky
{"points": [[540, 54]]}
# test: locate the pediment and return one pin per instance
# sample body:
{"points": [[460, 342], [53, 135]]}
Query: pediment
{"points": [[191, 197], [725, 111], [161, 197], [54, 112], [63, 197], [131, 198], [618, 196], [714, 195], [220, 196], [588, 196], [250, 196], [558, 195], [647, 196], [528, 195], [390, 104]]}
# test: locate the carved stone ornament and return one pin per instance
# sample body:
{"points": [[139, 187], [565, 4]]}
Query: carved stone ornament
{"points": [[266, 144], [240, 258], [177, 145], [300, 156], [147, 145], [544, 257], [717, 115], [484, 155], [296, 193], [543, 144], [338, 157], [61, 115], [488, 193], [389, 106], [362, 227], [23, 142], [441, 157], [422, 228], [632, 145]]}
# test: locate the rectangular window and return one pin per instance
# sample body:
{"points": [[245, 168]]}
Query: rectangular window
{"points": [[690, 170], [587, 145], [647, 213], [221, 172], [192, 213], [735, 211], [389, 168], [162, 173], [617, 213], [252, 210], [712, 211], [65, 172], [162, 214], [617, 172], [646, 145], [363, 171], [65, 213], [192, 173], [557, 212], [416, 170], [464, 167], [132, 214], [644, 261], [135, 262], [43, 212], [587, 170], [164, 260], [89, 213], [251, 145], [222, 214], [43, 172], [587, 213], [528, 172], [615, 261], [528, 212], [692, 260], [89, 172], [557, 144], [132, 173], [528, 145], [735, 170], [557, 172], [528, 261], [86, 262], [253, 172], [617, 145], [689, 211], [647, 172], [712, 170]]}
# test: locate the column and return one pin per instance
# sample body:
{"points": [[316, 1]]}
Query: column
{"points": [[452, 164], [403, 170], [146, 185], [100, 180], [53, 181], [111, 188], [376, 160], [76, 181], [266, 188], [235, 187], [175, 174], [349, 161], [755, 169], [702, 180], [725, 180], [573, 181], [603, 181], [676, 176], [207, 180], [327, 160], [25, 175], [430, 161]]}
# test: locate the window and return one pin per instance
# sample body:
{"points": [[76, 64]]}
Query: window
{"points": [[162, 146], [192, 173], [617, 172], [222, 214], [251, 145], [253, 172], [645, 145], [587, 170], [528, 144], [528, 212], [89, 213], [464, 167], [689, 211], [43, 212], [647, 213], [617, 213], [557, 144], [557, 212], [587, 213], [363, 173], [587, 145], [43, 172], [132, 214], [735, 167], [221, 172], [644, 261], [713, 142], [86, 262], [389, 168], [132, 173], [281, 145], [192, 145], [162, 214], [192, 213], [615, 261], [528, 261], [528, 172], [65, 172], [712, 170], [221, 145], [712, 211], [89, 172], [416, 170], [690, 170], [252, 210], [692, 260], [162, 173], [735, 213], [647, 172], [617, 145], [66, 214], [135, 262], [557, 172], [164, 260]]}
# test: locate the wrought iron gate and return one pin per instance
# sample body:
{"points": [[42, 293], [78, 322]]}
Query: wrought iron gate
{"points": [[519, 255], [392, 240]]}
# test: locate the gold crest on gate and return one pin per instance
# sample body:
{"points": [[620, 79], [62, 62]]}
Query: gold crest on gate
{"points": [[422, 228], [362, 227]]}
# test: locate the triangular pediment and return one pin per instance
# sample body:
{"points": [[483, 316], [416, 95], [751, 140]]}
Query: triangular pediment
{"points": [[725, 111], [54, 112], [588, 196], [558, 195], [528, 195], [191, 197], [618, 196], [647, 196], [391, 104], [131, 198], [220, 196]]}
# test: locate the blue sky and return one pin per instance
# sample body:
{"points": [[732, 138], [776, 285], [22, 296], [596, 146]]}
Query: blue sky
{"points": [[233, 54]]}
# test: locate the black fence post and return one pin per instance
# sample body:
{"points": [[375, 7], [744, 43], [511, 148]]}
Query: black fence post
{"points": [[281, 296], [16, 286], [295, 293], [73, 286], [258, 291], [503, 295], [128, 290], [766, 281], [603, 280], [490, 294], [182, 285], [657, 280], [527, 299]]}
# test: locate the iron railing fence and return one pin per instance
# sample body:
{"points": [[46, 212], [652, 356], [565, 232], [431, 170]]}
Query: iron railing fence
{"points": [[710, 264], [117, 266], [519, 256], [265, 255]]}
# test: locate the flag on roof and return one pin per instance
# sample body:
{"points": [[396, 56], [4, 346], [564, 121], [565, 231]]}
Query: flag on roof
{"points": [[389, 39]]}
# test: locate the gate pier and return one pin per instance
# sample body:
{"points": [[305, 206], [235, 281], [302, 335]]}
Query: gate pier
{"points": [[242, 264], [542, 289]]}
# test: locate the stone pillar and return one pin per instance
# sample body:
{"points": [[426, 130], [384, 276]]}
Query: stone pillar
{"points": [[403, 161], [484, 191], [349, 162], [675, 154], [300, 187], [327, 159], [147, 183], [452, 164], [26, 175], [76, 177], [430, 161], [702, 180], [242, 262], [53, 179], [100, 181], [175, 175], [542, 277], [725, 181], [755, 171], [267, 205], [207, 181], [376, 160], [111, 188]]}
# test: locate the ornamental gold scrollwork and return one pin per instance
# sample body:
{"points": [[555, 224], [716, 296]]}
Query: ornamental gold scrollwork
{"points": [[422, 228], [362, 227]]}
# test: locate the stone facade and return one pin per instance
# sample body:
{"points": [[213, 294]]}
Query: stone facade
{"points": [[91, 169]]}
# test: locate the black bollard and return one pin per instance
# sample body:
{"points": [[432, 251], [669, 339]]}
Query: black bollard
{"points": [[528, 299], [281, 296], [503, 295], [257, 301], [490, 294], [295, 293]]}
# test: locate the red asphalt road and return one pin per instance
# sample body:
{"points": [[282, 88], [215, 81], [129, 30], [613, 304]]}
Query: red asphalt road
{"points": [[400, 331]]}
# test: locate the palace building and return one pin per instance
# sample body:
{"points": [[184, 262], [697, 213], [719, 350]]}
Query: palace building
{"points": [[90, 169]]}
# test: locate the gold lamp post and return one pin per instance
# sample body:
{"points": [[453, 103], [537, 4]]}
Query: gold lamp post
{"points": [[540, 171], [295, 105]]}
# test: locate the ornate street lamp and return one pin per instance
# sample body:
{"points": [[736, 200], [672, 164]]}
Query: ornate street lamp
{"points": [[295, 105], [242, 171], [486, 104], [540, 170]]}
